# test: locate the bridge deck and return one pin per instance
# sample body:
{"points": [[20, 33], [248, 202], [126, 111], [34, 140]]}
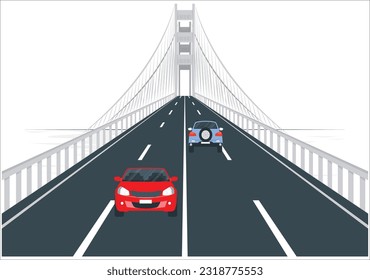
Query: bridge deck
{"points": [[223, 192]]}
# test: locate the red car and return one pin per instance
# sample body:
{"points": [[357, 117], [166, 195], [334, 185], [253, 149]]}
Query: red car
{"points": [[146, 189]]}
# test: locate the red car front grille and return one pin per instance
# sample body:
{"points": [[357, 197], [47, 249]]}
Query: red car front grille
{"points": [[138, 205]]}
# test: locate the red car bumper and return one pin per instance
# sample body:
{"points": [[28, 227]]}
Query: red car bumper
{"points": [[133, 203]]}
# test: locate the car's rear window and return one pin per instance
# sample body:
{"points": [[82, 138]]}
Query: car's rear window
{"points": [[145, 175], [210, 125]]}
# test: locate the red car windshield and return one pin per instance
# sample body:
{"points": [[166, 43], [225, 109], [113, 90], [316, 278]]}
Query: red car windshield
{"points": [[145, 175]]}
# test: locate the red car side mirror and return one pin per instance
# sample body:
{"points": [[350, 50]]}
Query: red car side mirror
{"points": [[174, 178], [118, 179]]}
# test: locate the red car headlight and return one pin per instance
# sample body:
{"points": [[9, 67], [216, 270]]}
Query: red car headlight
{"points": [[123, 191], [168, 191]]}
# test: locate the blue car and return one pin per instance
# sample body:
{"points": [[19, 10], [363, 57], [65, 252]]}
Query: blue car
{"points": [[205, 133]]}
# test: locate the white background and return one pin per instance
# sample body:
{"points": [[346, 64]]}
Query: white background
{"points": [[306, 64]]}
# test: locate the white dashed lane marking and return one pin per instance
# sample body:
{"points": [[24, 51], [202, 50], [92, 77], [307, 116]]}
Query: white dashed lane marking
{"points": [[280, 238], [144, 152], [226, 154], [90, 236]]}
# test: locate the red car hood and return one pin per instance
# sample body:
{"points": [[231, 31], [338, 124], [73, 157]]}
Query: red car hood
{"points": [[146, 186]]}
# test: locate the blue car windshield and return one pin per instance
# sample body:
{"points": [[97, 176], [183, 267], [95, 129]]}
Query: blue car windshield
{"points": [[145, 175], [209, 125]]}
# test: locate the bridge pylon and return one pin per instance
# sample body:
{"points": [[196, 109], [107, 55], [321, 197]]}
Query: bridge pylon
{"points": [[184, 61]]}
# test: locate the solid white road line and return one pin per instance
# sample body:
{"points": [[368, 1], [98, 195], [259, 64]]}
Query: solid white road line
{"points": [[94, 230], [198, 112], [294, 172], [75, 172], [280, 238], [184, 195], [170, 112], [144, 152], [226, 154], [176, 103], [193, 103], [162, 124]]}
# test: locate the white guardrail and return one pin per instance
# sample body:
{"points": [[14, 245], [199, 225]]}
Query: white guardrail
{"points": [[346, 179], [32, 174]]}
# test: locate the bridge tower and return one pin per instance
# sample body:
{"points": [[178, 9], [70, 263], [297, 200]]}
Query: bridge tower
{"points": [[184, 64]]}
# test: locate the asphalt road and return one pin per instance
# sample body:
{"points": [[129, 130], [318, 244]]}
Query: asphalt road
{"points": [[242, 202]]}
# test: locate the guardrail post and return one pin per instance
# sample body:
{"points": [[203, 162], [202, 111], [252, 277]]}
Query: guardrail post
{"points": [[66, 158], [294, 153], [278, 143], [58, 163], [39, 174], [340, 180], [303, 161], [97, 139], [330, 174], [74, 153], [121, 125], [82, 148], [265, 135], [320, 169], [271, 139], [258, 131], [6, 193], [116, 128], [286, 148], [310, 162], [18, 185], [110, 133], [48, 169], [350, 186], [362, 193], [29, 180], [90, 144]]}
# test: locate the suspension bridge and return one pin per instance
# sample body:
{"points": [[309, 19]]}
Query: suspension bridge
{"points": [[266, 194]]}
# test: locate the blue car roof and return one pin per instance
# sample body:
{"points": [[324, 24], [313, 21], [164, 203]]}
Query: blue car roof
{"points": [[205, 121]]}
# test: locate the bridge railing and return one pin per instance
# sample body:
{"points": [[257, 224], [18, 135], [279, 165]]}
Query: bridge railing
{"points": [[343, 177], [24, 178]]}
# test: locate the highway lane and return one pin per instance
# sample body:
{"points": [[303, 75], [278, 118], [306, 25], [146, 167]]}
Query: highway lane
{"points": [[151, 233], [59, 223], [224, 220]]}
